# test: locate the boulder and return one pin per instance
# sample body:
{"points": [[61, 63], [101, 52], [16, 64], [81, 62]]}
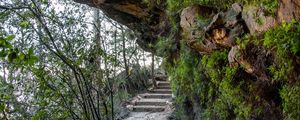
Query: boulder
{"points": [[226, 27], [213, 32], [192, 15], [192, 23], [288, 10], [257, 21]]}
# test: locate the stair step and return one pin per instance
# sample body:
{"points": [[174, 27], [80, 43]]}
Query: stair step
{"points": [[161, 80], [164, 87], [155, 102], [163, 83], [152, 95], [161, 91], [148, 108]]}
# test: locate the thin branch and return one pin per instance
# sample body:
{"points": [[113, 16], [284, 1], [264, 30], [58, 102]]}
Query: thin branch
{"points": [[13, 8]]}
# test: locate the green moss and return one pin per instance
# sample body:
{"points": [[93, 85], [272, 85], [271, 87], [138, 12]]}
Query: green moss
{"points": [[220, 89], [177, 5], [163, 46], [284, 40], [291, 101], [212, 80], [232, 92], [183, 73]]}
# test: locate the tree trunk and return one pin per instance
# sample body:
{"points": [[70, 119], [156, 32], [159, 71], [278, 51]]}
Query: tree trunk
{"points": [[152, 70]]}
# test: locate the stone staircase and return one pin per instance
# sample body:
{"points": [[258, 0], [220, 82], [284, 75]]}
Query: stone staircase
{"points": [[155, 100]]}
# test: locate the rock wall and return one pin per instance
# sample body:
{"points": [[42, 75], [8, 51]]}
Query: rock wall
{"points": [[149, 22]]}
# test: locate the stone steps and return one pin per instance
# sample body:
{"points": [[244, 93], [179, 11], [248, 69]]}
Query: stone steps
{"points": [[153, 95], [163, 83], [152, 102], [163, 87], [161, 91], [148, 108]]}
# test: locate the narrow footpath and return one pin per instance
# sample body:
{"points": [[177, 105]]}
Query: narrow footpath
{"points": [[154, 104]]}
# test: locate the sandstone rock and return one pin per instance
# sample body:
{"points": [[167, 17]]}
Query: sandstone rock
{"points": [[148, 22], [253, 59], [233, 54], [222, 30], [257, 21], [226, 27], [189, 16], [192, 24], [235, 58], [288, 10], [220, 36]]}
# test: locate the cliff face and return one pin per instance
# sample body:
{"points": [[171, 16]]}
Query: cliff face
{"points": [[148, 21], [241, 62]]}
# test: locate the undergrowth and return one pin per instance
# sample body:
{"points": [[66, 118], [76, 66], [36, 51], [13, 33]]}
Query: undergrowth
{"points": [[213, 82], [177, 5], [221, 90], [284, 40]]}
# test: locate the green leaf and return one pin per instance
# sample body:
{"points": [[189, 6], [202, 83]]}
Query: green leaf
{"points": [[3, 53], [45, 1], [10, 37], [24, 24], [21, 56], [8, 45], [2, 107], [31, 61], [30, 51], [4, 14]]}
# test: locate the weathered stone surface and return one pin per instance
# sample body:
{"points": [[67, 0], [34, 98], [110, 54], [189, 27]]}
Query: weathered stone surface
{"points": [[253, 59], [233, 55], [257, 21], [288, 10], [226, 27], [236, 58], [204, 35], [192, 24], [148, 22], [190, 16]]}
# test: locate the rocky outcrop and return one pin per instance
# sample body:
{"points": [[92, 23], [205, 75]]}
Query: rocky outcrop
{"points": [[193, 27], [254, 59], [226, 27], [203, 29], [288, 10], [206, 33], [257, 21], [148, 22]]}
